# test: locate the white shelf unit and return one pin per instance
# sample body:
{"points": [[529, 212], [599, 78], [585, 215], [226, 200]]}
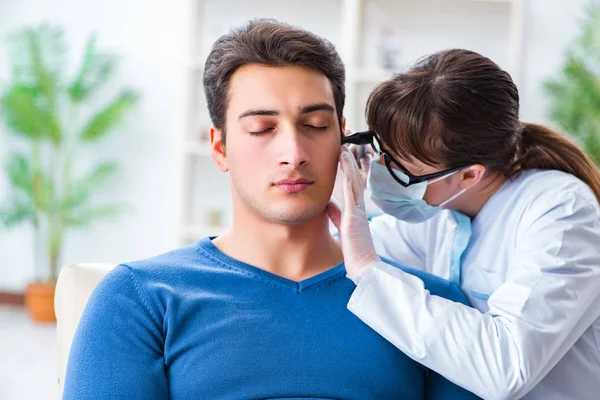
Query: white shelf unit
{"points": [[491, 27]]}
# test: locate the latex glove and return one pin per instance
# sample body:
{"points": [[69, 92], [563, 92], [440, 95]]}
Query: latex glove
{"points": [[355, 235], [364, 155]]}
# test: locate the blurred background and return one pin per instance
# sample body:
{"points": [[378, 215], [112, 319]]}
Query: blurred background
{"points": [[103, 123]]}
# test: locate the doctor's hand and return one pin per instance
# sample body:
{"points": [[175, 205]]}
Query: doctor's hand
{"points": [[363, 154], [357, 244]]}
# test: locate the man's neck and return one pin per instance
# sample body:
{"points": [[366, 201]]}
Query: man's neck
{"points": [[295, 252]]}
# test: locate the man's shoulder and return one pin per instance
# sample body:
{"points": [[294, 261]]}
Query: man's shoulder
{"points": [[170, 265], [161, 275], [436, 285], [171, 258]]}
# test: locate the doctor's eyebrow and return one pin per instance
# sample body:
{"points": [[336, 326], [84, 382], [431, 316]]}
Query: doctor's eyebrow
{"points": [[304, 110]]}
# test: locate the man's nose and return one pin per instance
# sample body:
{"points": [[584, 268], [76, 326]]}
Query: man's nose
{"points": [[293, 148]]}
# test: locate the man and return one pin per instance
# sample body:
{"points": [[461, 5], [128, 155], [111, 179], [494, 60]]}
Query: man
{"points": [[259, 312]]}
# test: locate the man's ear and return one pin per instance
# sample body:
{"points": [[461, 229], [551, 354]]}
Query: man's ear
{"points": [[471, 175], [343, 124], [217, 149]]}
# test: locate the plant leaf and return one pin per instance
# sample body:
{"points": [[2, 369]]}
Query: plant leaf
{"points": [[19, 173], [19, 211], [95, 69], [23, 115], [110, 116], [38, 56], [82, 190], [575, 92], [82, 218]]}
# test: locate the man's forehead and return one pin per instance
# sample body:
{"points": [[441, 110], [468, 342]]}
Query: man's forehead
{"points": [[289, 88]]}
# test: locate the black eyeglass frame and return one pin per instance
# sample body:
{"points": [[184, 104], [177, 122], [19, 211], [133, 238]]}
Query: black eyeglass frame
{"points": [[368, 137]]}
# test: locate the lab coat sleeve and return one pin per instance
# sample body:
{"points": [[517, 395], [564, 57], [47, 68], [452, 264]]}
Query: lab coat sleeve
{"points": [[550, 297], [399, 241], [429, 246]]}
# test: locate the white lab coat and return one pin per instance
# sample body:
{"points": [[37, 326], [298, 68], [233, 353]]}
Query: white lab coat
{"points": [[535, 251]]}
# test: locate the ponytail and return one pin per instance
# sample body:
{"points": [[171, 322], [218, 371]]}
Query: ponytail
{"points": [[539, 147]]}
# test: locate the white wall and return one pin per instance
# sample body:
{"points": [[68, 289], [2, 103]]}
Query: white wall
{"points": [[152, 36]]}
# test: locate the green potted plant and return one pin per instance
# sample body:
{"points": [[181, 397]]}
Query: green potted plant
{"points": [[575, 92], [52, 118]]}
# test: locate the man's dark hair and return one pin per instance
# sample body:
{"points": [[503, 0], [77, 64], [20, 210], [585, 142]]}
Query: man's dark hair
{"points": [[271, 43]]}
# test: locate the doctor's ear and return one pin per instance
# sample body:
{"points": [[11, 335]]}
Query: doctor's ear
{"points": [[217, 148], [471, 175]]}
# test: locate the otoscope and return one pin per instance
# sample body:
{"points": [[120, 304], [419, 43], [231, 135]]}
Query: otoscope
{"points": [[362, 139]]}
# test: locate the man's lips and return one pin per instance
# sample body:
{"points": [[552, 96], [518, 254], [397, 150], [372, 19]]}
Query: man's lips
{"points": [[292, 181], [293, 185]]}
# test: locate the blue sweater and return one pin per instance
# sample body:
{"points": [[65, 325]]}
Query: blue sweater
{"points": [[196, 324]]}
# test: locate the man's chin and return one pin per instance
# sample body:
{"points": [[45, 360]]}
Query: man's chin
{"points": [[294, 215]]}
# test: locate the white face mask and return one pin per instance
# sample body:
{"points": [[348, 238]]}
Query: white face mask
{"points": [[404, 203]]}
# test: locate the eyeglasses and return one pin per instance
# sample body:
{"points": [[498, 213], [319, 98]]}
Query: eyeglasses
{"points": [[397, 170]]}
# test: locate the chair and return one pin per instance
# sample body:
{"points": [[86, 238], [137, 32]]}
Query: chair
{"points": [[74, 286]]}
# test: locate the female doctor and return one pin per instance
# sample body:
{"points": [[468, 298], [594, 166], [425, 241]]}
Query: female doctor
{"points": [[463, 182]]}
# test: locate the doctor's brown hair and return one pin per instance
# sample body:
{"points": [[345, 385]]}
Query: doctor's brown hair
{"points": [[272, 43], [457, 108]]}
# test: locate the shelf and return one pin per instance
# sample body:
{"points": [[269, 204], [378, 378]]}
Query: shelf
{"points": [[197, 148]]}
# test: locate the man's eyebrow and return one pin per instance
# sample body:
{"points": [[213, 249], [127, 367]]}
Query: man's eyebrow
{"points": [[304, 110], [248, 113], [317, 107]]}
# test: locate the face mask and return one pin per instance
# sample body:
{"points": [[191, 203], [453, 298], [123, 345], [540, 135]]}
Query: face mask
{"points": [[404, 203]]}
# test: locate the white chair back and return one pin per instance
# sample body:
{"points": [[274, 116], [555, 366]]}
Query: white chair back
{"points": [[74, 286]]}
